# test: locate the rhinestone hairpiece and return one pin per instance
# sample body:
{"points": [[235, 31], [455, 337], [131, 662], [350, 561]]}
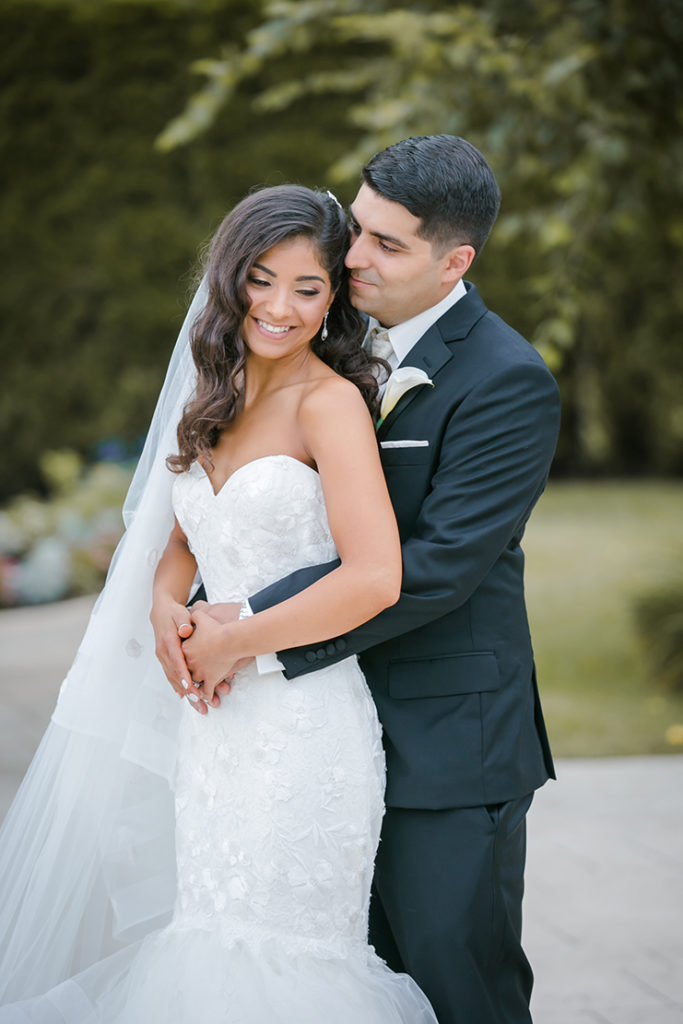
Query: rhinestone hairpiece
{"points": [[334, 198]]}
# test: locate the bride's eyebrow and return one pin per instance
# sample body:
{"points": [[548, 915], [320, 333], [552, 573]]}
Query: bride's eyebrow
{"points": [[302, 277]]}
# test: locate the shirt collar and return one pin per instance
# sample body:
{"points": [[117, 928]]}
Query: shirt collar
{"points": [[404, 336]]}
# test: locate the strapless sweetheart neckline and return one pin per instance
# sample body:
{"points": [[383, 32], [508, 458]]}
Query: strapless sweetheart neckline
{"points": [[246, 465]]}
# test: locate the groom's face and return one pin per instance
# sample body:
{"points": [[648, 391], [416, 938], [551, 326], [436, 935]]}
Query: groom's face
{"points": [[394, 274]]}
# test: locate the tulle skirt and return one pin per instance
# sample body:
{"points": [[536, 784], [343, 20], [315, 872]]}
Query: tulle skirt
{"points": [[88, 879], [179, 977]]}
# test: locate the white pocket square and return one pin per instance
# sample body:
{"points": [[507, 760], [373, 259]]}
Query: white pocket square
{"points": [[404, 444]]}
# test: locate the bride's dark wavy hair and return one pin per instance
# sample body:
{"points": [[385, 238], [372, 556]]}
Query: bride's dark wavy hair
{"points": [[261, 221]]}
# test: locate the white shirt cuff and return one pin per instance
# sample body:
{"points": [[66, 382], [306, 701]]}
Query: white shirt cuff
{"points": [[265, 663]]}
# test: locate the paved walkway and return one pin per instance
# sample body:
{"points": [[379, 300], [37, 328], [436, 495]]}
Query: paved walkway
{"points": [[604, 904]]}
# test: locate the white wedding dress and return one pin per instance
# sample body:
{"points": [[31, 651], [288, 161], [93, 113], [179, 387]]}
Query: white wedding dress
{"points": [[279, 801]]}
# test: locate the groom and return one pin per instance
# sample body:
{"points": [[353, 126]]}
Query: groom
{"points": [[450, 665]]}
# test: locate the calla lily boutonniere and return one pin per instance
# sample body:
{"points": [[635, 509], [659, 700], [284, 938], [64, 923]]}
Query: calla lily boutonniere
{"points": [[400, 381]]}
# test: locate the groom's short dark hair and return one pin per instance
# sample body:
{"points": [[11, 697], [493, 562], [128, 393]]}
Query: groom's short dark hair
{"points": [[445, 181]]}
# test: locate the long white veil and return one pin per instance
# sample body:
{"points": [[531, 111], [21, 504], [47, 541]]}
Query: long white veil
{"points": [[87, 862]]}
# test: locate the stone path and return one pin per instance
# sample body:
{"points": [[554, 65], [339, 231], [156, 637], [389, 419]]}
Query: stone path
{"points": [[604, 904], [37, 645]]}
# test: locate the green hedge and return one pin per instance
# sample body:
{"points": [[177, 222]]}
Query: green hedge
{"points": [[100, 230]]}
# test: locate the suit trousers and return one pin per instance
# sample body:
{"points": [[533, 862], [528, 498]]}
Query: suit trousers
{"points": [[447, 908]]}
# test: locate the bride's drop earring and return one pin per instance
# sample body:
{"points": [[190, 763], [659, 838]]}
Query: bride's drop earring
{"points": [[324, 332]]}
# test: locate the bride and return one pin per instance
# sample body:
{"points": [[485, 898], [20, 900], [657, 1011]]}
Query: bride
{"points": [[163, 865]]}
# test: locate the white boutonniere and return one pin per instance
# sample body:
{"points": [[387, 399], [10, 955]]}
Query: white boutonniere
{"points": [[400, 381]]}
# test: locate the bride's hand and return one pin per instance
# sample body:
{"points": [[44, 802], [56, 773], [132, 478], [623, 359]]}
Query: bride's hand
{"points": [[171, 622], [224, 612], [210, 653]]}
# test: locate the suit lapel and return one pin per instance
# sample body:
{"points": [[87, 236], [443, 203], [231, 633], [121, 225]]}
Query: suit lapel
{"points": [[431, 353]]}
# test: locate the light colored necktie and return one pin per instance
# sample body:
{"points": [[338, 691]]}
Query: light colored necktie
{"points": [[380, 345]]}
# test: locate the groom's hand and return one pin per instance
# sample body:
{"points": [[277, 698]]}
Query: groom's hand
{"points": [[222, 611]]}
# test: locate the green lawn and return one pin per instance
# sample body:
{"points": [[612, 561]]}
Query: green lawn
{"points": [[591, 548]]}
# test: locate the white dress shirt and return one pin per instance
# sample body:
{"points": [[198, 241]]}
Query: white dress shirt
{"points": [[402, 337]]}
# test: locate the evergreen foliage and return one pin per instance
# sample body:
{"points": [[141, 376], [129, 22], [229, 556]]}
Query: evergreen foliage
{"points": [[101, 230], [577, 104]]}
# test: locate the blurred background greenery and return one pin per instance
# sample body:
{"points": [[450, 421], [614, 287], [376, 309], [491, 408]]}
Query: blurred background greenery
{"points": [[129, 127]]}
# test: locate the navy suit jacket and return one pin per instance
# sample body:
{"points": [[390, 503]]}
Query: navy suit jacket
{"points": [[450, 666]]}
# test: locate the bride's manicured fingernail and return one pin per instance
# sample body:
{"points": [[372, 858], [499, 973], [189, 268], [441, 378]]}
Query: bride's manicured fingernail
{"points": [[193, 697], [185, 683]]}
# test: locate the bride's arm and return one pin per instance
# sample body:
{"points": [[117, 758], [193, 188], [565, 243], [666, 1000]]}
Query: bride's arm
{"points": [[169, 616], [339, 435]]}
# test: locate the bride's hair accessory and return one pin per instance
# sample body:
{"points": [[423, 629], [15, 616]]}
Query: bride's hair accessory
{"points": [[324, 333], [333, 198]]}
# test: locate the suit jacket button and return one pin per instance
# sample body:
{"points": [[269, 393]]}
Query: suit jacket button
{"points": [[331, 649], [310, 656], [320, 653], [340, 644]]}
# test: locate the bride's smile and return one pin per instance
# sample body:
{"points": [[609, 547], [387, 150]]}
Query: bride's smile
{"points": [[289, 293], [272, 328]]}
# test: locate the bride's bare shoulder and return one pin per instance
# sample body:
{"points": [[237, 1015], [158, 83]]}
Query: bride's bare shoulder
{"points": [[331, 413], [328, 390]]}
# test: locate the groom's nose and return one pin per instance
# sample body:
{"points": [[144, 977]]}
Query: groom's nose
{"points": [[358, 253]]}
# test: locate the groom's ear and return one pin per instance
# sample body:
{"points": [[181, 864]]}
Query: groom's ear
{"points": [[457, 262]]}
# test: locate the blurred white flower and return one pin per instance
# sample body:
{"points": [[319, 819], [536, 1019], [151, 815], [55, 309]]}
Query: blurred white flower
{"points": [[45, 574], [62, 545], [12, 539]]}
